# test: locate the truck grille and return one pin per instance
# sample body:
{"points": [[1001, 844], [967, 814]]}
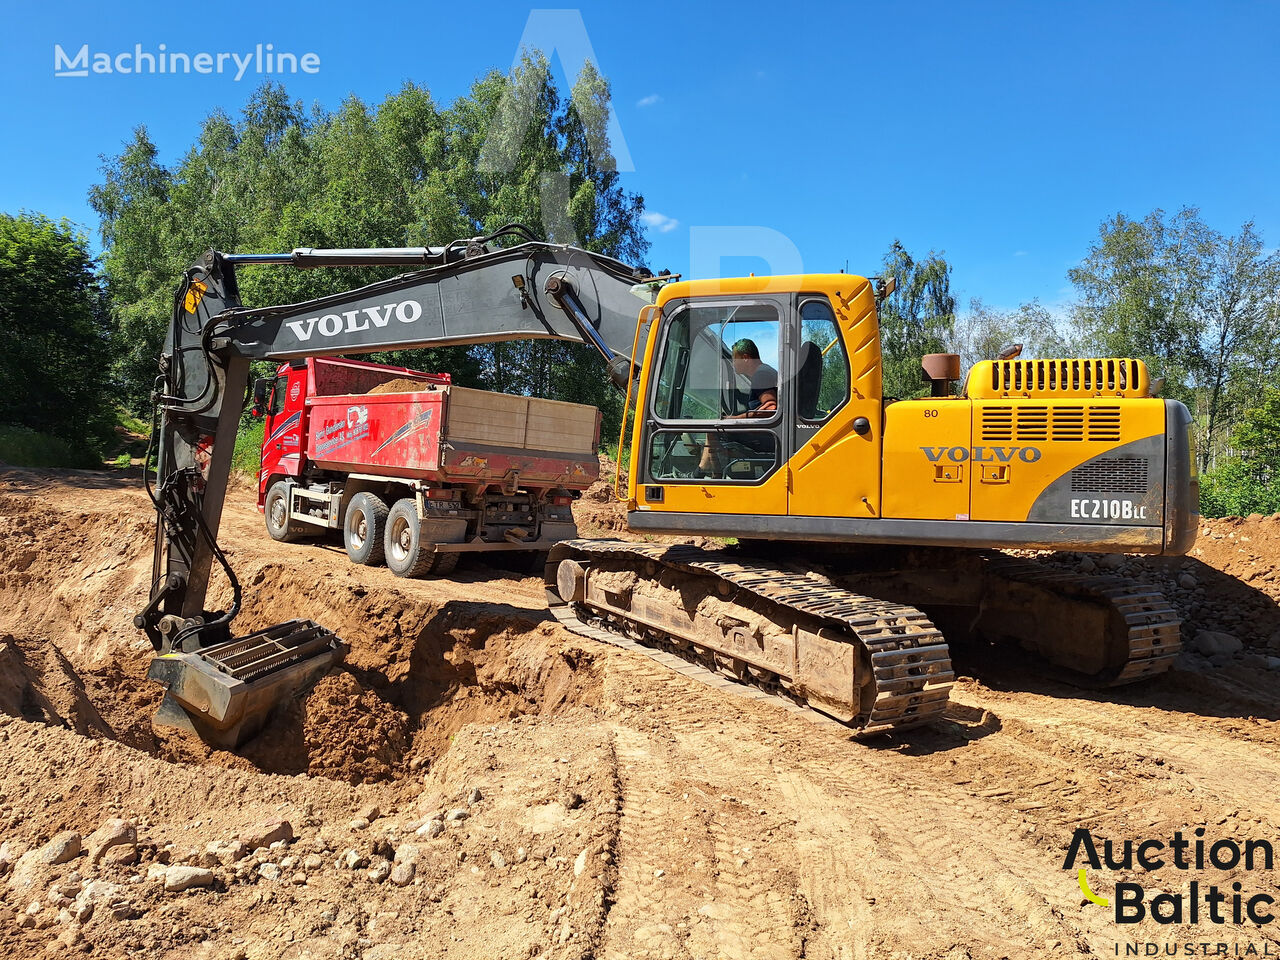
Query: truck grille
{"points": [[1112, 475], [1027, 423]]}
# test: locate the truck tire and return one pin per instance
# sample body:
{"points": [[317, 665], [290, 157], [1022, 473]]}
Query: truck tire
{"points": [[406, 553], [276, 512], [445, 562], [362, 529]]}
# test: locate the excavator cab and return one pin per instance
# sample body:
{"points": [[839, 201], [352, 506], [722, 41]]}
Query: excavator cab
{"points": [[747, 381]]}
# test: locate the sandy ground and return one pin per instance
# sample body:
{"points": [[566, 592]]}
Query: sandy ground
{"points": [[476, 782]]}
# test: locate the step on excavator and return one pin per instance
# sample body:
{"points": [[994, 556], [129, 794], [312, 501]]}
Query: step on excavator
{"points": [[863, 523]]}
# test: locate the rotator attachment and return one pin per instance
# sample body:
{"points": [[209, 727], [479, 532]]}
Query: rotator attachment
{"points": [[224, 693]]}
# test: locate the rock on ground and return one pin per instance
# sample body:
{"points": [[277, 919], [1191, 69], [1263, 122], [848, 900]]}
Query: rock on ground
{"points": [[178, 879], [1214, 643], [265, 834]]}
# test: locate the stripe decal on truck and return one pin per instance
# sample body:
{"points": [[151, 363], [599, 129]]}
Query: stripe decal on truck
{"points": [[419, 422], [293, 421]]}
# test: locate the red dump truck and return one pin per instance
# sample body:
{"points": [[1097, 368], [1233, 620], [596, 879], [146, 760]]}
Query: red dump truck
{"points": [[416, 471]]}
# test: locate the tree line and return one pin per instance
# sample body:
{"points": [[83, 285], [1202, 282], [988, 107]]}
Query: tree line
{"points": [[1201, 307]]}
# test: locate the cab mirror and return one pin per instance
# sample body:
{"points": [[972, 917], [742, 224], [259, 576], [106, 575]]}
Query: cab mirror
{"points": [[261, 390]]}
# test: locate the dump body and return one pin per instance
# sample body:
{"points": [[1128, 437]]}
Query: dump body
{"points": [[455, 435]]}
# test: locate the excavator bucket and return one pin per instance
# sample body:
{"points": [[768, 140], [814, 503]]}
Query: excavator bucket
{"points": [[224, 693]]}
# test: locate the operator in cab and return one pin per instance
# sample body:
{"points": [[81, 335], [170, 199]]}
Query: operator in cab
{"points": [[762, 397], [761, 400]]}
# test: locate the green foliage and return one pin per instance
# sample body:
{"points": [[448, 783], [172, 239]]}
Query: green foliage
{"points": [[55, 363], [247, 457], [407, 171], [122, 462], [1139, 285], [916, 319], [1248, 482], [24, 447], [1237, 489], [135, 425], [1201, 308]]}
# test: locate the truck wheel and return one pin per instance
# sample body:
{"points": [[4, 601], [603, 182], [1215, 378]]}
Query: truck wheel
{"points": [[406, 554], [445, 562], [362, 530], [276, 510]]}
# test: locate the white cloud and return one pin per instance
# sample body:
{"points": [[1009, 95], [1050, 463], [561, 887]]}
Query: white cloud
{"points": [[658, 221], [649, 101], [1020, 253]]}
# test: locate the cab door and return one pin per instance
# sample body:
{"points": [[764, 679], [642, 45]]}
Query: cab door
{"points": [[835, 465], [282, 432], [712, 441]]}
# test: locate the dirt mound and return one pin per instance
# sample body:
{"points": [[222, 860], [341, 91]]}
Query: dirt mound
{"points": [[405, 385], [417, 670], [599, 512], [351, 733], [38, 683], [75, 574], [1246, 548]]}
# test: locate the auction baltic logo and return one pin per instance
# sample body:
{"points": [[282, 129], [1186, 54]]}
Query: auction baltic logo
{"points": [[263, 60]]}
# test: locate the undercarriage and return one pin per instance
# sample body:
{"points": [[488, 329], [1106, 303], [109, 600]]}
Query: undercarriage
{"points": [[855, 635]]}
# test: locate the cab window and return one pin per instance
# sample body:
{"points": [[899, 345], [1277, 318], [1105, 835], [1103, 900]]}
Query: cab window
{"points": [[720, 363], [742, 455], [718, 371], [822, 366], [278, 394]]}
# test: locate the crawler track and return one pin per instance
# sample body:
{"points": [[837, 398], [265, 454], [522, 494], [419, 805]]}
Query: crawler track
{"points": [[899, 674], [1142, 636]]}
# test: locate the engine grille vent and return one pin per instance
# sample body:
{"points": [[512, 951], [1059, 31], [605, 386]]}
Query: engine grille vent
{"points": [[1112, 475], [1028, 423], [1019, 376]]}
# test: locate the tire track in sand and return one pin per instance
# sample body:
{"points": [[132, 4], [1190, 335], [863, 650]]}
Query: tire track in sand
{"points": [[891, 855], [696, 872]]}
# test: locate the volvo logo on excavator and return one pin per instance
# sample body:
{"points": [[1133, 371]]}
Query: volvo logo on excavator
{"points": [[982, 454], [352, 321]]}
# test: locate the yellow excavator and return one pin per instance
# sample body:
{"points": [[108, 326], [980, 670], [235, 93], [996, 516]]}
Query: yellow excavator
{"points": [[863, 524]]}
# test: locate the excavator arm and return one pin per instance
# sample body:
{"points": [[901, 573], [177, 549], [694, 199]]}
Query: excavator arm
{"points": [[464, 293]]}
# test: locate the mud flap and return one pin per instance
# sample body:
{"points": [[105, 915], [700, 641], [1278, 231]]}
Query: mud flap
{"points": [[225, 692]]}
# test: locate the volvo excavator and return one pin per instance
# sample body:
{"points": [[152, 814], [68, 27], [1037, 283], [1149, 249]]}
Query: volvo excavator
{"points": [[863, 523]]}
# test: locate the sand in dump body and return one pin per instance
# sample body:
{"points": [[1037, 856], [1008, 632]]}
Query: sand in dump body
{"points": [[406, 385], [475, 782]]}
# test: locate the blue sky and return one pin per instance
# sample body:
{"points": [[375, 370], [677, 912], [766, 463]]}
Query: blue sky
{"points": [[1002, 134]]}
